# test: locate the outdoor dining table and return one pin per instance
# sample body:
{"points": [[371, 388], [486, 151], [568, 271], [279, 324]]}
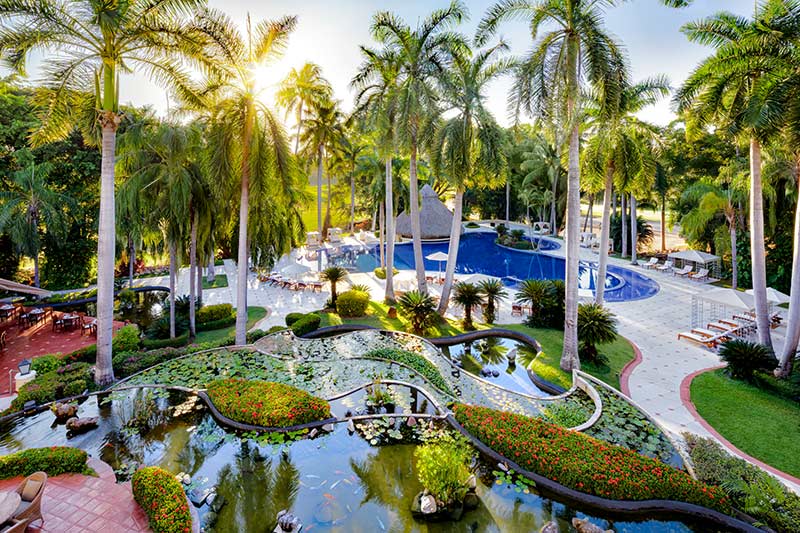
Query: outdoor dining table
{"points": [[70, 320], [6, 311], [32, 317], [9, 502]]}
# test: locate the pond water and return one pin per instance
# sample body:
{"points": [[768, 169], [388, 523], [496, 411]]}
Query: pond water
{"points": [[337, 482], [142, 308]]}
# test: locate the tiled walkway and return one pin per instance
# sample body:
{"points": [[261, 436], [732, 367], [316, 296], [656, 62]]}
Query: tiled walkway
{"points": [[74, 503]]}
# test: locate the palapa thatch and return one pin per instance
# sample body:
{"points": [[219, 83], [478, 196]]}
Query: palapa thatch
{"points": [[434, 217]]}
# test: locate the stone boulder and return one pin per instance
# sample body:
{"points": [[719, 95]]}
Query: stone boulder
{"points": [[584, 526], [287, 523], [64, 411], [550, 527], [427, 504], [76, 425]]}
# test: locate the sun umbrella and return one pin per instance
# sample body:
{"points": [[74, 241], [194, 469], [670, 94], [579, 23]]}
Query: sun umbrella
{"points": [[773, 295], [12, 286], [295, 269], [439, 257], [477, 278], [730, 298]]}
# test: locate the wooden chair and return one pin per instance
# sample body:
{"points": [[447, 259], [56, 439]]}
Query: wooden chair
{"points": [[58, 321], [86, 325], [3, 341], [14, 526], [516, 310], [31, 490]]}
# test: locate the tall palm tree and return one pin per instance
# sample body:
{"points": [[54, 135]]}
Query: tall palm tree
{"points": [[467, 148], [618, 152], [88, 45], [334, 275], [300, 90], [468, 296], [544, 169], [248, 146], [31, 206], [727, 90], [419, 53], [493, 293], [575, 46]]}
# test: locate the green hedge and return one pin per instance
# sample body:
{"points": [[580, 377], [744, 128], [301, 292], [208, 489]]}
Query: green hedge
{"points": [[416, 362], [155, 344], [53, 461], [584, 463], [307, 324], [291, 318], [352, 303], [162, 498], [69, 380], [213, 313], [267, 404], [216, 324]]}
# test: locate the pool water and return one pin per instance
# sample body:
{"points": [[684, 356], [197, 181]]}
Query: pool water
{"points": [[478, 254], [334, 483]]}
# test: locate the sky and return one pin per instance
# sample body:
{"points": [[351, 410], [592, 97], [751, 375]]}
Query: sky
{"points": [[329, 33]]}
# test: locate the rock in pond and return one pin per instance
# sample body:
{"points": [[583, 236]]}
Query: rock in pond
{"points": [[76, 425], [427, 504], [64, 411], [471, 501], [287, 523], [584, 526], [550, 527]]}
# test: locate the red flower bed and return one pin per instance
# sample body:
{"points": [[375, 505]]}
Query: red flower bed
{"points": [[162, 498], [583, 463], [263, 403]]}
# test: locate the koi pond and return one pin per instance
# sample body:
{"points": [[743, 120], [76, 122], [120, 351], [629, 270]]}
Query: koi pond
{"points": [[359, 478]]}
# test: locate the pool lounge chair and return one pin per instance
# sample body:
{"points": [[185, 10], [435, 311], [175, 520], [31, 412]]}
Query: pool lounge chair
{"points": [[665, 267], [685, 271], [652, 263], [700, 275], [704, 339]]}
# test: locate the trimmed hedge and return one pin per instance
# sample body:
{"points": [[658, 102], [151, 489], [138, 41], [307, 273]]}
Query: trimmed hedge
{"points": [[415, 361], [69, 380], [161, 496], [264, 403], [584, 463], [216, 324], [213, 313], [53, 461], [155, 344], [291, 318], [352, 303], [307, 324]]}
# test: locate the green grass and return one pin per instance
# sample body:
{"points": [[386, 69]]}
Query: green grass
{"points": [[309, 210], [221, 280], [619, 352], [254, 314], [758, 422]]}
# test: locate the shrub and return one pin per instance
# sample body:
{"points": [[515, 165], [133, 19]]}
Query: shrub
{"points": [[352, 303], [546, 299], [415, 361], [159, 329], [53, 461], [307, 324], [46, 363], [216, 324], [291, 318], [749, 488], [472, 225], [380, 272], [360, 287], [596, 325], [66, 381], [333, 275], [162, 498], [583, 463], [566, 414], [275, 329], [443, 469], [744, 358], [267, 404], [644, 231], [151, 344], [212, 313], [253, 336], [419, 309], [501, 229], [468, 296], [126, 339]]}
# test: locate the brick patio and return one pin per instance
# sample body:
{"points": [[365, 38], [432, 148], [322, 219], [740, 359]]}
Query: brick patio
{"points": [[74, 503]]}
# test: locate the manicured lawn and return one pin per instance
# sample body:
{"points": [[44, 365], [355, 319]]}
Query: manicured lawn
{"points": [[254, 314], [221, 280], [377, 316], [760, 423]]}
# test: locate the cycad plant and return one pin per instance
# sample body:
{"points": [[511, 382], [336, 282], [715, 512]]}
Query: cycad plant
{"points": [[333, 275], [493, 293], [540, 295], [420, 309], [596, 325], [468, 296]]}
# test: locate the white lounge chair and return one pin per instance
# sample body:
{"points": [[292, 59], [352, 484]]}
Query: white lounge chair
{"points": [[685, 271], [666, 267], [700, 275], [652, 263]]}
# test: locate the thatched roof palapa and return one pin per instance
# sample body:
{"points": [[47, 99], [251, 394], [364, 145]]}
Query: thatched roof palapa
{"points": [[434, 217]]}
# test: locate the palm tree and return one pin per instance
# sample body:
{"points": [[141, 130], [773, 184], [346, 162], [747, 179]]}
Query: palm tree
{"points": [[493, 293], [300, 90], [88, 44], [468, 147], [31, 206], [248, 146], [419, 308], [727, 89], [349, 150], [544, 169], [419, 55], [468, 296], [576, 47], [333, 275], [618, 152]]}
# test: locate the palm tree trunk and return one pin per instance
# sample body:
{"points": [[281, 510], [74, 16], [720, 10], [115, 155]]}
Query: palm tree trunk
{"points": [[757, 251], [327, 224], [199, 271], [624, 225], [605, 232], [634, 230], [244, 211], [173, 259], [131, 261], [416, 230], [389, 295], [192, 276], [211, 275], [793, 324], [569, 355], [319, 194], [35, 269], [299, 127], [663, 223], [553, 228], [352, 203], [452, 252], [382, 218], [104, 373], [508, 201]]}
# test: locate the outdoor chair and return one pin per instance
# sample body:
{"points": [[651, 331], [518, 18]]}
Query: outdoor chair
{"points": [[705, 340], [516, 310], [14, 526], [58, 322], [31, 490], [682, 273], [87, 325], [652, 263], [700, 275], [665, 267], [3, 341]]}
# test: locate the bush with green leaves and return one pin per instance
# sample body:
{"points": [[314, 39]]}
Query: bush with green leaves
{"points": [[745, 358], [212, 313], [363, 287], [352, 304], [419, 309], [53, 461], [126, 339], [501, 229], [414, 361], [750, 489], [159, 329], [596, 325], [644, 232], [443, 469], [493, 292], [333, 275], [468, 296], [69, 380], [156, 344], [291, 318], [566, 414], [307, 324], [380, 272], [46, 363], [546, 299], [162, 498]]}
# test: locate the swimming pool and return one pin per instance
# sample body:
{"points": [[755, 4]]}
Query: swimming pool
{"points": [[478, 254]]}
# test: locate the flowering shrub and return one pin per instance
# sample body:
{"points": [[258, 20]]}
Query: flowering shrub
{"points": [[53, 461], [583, 463], [68, 380], [263, 403], [161, 496]]}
